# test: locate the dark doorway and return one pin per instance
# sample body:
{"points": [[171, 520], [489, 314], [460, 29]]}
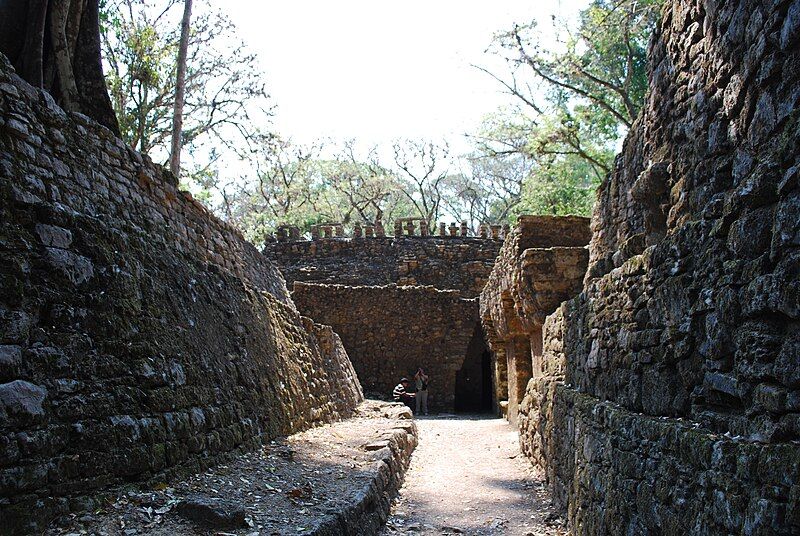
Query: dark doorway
{"points": [[474, 380]]}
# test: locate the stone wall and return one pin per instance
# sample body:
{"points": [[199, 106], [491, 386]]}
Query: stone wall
{"points": [[618, 471], [670, 399], [390, 331], [138, 334], [447, 263], [542, 262]]}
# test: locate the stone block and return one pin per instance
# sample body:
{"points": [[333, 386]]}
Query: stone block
{"points": [[10, 360], [75, 268], [23, 401], [212, 513], [54, 236]]}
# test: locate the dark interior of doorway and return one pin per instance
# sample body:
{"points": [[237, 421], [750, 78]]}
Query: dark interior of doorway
{"points": [[474, 380]]}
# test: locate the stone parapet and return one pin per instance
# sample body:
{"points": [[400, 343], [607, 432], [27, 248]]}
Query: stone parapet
{"points": [[452, 263], [403, 227], [552, 231]]}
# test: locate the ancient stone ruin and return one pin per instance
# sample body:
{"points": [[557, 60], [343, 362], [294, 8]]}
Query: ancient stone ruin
{"points": [[663, 398], [542, 263], [650, 358], [139, 335], [401, 302]]}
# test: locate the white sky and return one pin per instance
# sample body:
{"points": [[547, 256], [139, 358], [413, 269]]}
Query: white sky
{"points": [[378, 70]]}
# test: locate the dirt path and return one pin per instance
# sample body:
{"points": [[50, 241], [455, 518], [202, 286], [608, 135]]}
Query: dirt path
{"points": [[467, 476]]}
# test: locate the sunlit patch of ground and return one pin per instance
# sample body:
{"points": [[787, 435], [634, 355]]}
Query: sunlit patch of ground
{"points": [[467, 476]]}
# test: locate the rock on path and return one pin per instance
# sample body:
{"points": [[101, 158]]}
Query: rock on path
{"points": [[467, 476]]}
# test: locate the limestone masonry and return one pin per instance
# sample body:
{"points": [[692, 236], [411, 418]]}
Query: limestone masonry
{"points": [[139, 335], [664, 398]]}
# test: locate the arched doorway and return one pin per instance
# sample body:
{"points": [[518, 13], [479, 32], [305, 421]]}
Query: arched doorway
{"points": [[474, 379]]}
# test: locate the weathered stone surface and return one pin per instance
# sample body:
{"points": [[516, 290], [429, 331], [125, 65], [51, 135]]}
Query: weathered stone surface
{"points": [[22, 401], [380, 294], [139, 335], [542, 262], [666, 398], [212, 513], [619, 472], [10, 360], [454, 263], [390, 331], [54, 236]]}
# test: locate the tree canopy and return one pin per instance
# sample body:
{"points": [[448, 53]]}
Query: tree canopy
{"points": [[225, 95], [573, 104], [544, 153]]}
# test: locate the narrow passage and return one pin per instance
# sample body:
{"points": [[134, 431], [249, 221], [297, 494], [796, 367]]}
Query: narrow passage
{"points": [[467, 476]]}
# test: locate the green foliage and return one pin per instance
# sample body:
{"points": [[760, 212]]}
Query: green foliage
{"points": [[567, 187], [574, 104], [223, 82]]}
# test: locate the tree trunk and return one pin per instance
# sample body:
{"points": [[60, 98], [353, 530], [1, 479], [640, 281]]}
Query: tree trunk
{"points": [[32, 53], [59, 40], [59, 13], [88, 64], [180, 87]]}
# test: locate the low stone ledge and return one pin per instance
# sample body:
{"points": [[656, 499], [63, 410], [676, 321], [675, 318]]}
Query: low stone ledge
{"points": [[335, 479], [367, 513]]}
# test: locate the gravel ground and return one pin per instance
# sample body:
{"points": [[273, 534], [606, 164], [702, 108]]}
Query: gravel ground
{"points": [[467, 476], [286, 488]]}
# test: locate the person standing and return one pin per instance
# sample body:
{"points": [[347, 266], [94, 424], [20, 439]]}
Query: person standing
{"points": [[421, 380]]}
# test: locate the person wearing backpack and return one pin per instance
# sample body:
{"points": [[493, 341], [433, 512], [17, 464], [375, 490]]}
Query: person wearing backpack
{"points": [[421, 380]]}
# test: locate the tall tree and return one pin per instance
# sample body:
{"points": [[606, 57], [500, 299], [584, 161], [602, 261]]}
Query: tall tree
{"points": [[488, 188], [55, 45], [226, 102], [423, 166], [360, 186], [574, 101], [180, 90]]}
